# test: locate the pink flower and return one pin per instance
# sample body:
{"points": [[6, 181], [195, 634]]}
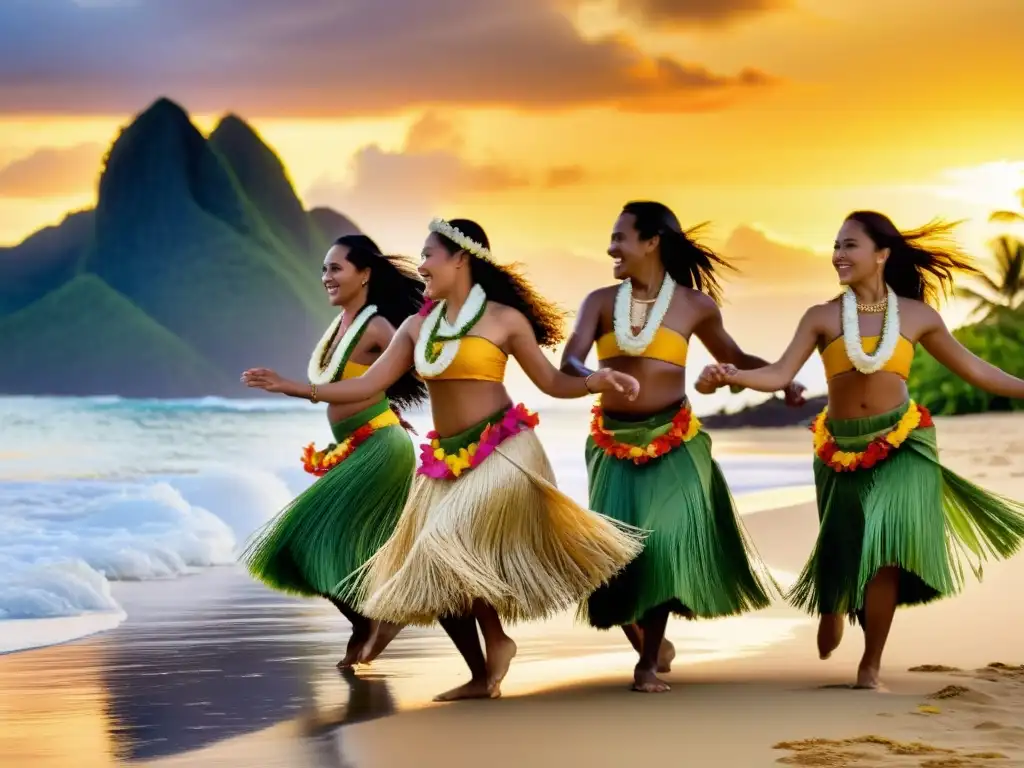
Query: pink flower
{"points": [[428, 305], [514, 421]]}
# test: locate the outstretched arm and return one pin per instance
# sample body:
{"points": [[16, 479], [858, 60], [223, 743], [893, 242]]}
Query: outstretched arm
{"points": [[777, 375], [584, 334], [723, 347], [941, 345], [524, 347], [388, 368]]}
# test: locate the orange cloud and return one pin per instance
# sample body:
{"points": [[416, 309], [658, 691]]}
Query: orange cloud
{"points": [[52, 172], [699, 13], [321, 58]]}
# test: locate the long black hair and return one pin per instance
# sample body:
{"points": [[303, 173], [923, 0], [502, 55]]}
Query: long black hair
{"points": [[507, 285], [397, 290], [687, 261], [922, 261]]}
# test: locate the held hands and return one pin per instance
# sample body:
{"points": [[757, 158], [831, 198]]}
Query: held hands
{"points": [[794, 394], [714, 377], [263, 378], [607, 380]]}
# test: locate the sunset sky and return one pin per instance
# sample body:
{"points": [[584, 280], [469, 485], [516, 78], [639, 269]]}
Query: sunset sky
{"points": [[770, 118]]}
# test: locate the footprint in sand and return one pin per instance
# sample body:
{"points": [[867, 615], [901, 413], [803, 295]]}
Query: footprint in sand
{"points": [[875, 750]]}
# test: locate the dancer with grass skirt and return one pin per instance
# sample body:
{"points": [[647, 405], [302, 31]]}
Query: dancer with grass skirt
{"points": [[895, 525], [649, 463], [333, 528], [486, 537]]}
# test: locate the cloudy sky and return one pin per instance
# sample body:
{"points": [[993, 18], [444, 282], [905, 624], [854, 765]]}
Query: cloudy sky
{"points": [[770, 118]]}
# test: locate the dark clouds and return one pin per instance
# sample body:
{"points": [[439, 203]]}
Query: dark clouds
{"points": [[699, 13], [332, 58], [52, 172]]}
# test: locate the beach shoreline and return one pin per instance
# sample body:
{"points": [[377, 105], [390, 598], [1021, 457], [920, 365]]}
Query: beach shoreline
{"points": [[247, 675]]}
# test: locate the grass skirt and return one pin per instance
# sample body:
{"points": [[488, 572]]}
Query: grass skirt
{"points": [[906, 511], [500, 532], [335, 525], [697, 557]]}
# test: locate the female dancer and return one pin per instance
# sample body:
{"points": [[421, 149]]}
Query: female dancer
{"points": [[333, 527], [892, 517], [485, 534], [649, 464]]}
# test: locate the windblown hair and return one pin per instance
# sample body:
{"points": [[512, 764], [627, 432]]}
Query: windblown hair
{"points": [[922, 262], [687, 261], [507, 285], [397, 290]]}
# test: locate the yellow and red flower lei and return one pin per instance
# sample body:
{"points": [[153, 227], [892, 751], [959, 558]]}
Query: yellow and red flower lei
{"points": [[826, 449], [319, 463], [684, 428]]}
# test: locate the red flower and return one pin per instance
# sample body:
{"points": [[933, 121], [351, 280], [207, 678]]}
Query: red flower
{"points": [[926, 418]]}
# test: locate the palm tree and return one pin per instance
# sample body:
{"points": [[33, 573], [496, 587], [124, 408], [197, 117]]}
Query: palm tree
{"points": [[1010, 217], [1005, 290]]}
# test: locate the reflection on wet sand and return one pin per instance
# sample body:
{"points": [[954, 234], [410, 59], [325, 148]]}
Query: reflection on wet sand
{"points": [[217, 670]]}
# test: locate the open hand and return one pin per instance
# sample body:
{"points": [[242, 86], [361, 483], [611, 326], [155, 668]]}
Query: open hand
{"points": [[794, 394], [263, 378], [607, 380]]}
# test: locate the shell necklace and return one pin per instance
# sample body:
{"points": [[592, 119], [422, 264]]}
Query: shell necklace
{"points": [[636, 343]]}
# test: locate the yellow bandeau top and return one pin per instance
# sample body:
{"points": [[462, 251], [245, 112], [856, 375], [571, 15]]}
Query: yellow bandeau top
{"points": [[836, 362], [478, 359], [353, 370], [667, 345]]}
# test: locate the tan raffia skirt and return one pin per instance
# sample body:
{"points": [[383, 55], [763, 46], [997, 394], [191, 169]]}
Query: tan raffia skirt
{"points": [[501, 533]]}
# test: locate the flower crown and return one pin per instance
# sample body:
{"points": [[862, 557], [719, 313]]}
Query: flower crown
{"points": [[442, 227]]}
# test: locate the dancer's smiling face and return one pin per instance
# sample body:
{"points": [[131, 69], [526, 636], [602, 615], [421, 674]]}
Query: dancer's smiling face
{"points": [[439, 268], [341, 278], [628, 251], [855, 256]]}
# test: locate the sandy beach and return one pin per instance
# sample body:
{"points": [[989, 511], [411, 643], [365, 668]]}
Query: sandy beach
{"points": [[247, 677]]}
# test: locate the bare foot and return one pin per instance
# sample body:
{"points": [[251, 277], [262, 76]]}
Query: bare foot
{"points": [[356, 643], [867, 679], [380, 637], [474, 689], [830, 634], [666, 654], [645, 681], [499, 658]]}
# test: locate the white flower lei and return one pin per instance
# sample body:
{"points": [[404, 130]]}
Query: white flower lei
{"points": [[436, 327], [862, 361], [627, 341], [442, 227], [327, 374]]}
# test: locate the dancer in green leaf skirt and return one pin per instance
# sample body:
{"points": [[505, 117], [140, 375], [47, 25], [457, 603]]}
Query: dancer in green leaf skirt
{"points": [[894, 523], [339, 522], [649, 463]]}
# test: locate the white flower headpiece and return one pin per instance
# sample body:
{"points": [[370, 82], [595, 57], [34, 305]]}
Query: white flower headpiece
{"points": [[442, 227]]}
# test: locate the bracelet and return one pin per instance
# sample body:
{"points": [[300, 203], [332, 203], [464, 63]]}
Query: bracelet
{"points": [[312, 393], [586, 383]]}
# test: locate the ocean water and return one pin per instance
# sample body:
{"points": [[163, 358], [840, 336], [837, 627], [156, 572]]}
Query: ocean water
{"points": [[95, 490]]}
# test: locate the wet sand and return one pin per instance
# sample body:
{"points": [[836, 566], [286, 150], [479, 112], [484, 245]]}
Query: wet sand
{"points": [[214, 670]]}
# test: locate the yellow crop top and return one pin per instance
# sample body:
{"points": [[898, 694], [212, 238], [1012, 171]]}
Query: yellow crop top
{"points": [[353, 370], [836, 362], [667, 345], [478, 359]]}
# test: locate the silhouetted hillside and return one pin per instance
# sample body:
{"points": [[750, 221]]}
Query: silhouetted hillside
{"points": [[771, 413], [198, 261]]}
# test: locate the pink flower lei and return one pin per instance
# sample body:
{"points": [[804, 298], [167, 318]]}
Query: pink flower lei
{"points": [[438, 464]]}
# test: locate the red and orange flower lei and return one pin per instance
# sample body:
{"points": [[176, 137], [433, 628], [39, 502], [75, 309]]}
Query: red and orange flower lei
{"points": [[319, 463], [684, 428], [826, 449]]}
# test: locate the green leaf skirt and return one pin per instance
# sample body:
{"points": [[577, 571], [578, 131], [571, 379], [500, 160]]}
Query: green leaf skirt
{"points": [[907, 511]]}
